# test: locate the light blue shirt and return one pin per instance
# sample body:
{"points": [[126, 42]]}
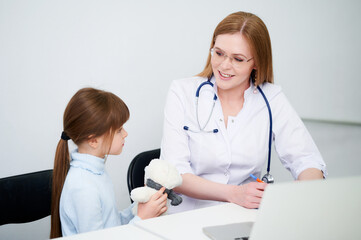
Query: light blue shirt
{"points": [[87, 200]]}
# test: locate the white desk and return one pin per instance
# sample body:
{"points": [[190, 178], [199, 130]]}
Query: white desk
{"points": [[300, 210], [188, 225], [117, 233], [185, 225]]}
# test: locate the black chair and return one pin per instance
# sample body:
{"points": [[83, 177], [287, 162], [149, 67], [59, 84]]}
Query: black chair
{"points": [[25, 198], [135, 176]]}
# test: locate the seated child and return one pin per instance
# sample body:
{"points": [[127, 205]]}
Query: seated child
{"points": [[82, 192]]}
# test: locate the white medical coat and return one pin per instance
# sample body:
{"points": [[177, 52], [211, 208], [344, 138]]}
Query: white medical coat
{"points": [[233, 153]]}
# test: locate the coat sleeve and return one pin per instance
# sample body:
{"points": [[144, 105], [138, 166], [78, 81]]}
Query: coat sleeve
{"points": [[174, 147], [293, 143]]}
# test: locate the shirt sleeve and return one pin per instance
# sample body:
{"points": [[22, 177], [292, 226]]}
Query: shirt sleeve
{"points": [[126, 216], [293, 143], [174, 147]]}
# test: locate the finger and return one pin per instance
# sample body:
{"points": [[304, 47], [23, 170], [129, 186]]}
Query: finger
{"points": [[255, 200], [251, 188], [158, 194], [161, 201], [252, 205], [261, 186], [162, 198], [258, 193], [161, 191], [163, 209]]}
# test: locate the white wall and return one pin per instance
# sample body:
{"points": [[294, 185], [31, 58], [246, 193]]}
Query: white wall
{"points": [[50, 49]]}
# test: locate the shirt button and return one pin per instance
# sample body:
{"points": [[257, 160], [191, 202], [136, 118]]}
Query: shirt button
{"points": [[232, 120], [220, 120]]}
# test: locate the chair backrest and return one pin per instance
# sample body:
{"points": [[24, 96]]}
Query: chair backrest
{"points": [[25, 198], [135, 176]]}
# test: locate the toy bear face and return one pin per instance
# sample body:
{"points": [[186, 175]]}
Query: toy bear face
{"points": [[163, 172]]}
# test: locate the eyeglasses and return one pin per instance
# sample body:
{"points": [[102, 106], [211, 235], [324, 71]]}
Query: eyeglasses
{"points": [[219, 56]]}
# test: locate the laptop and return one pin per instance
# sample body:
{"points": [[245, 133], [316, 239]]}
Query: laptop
{"points": [[234, 231], [319, 209]]}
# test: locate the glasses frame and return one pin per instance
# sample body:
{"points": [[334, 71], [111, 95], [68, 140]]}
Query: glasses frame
{"points": [[225, 56]]}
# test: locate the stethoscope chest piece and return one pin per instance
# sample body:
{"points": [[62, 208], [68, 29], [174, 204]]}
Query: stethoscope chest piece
{"points": [[268, 178]]}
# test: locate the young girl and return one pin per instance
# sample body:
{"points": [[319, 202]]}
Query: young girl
{"points": [[82, 194]]}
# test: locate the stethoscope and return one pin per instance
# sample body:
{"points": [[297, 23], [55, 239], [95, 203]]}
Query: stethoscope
{"points": [[268, 178]]}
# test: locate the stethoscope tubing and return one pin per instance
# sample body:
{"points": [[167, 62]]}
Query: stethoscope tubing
{"points": [[270, 129], [201, 129]]}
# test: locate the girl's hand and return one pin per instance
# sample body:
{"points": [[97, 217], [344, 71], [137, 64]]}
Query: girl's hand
{"points": [[248, 195], [156, 205]]}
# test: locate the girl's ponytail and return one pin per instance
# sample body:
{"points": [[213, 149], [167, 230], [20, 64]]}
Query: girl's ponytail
{"points": [[61, 167], [89, 113]]}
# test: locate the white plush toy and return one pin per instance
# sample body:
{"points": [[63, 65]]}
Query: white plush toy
{"points": [[157, 174]]}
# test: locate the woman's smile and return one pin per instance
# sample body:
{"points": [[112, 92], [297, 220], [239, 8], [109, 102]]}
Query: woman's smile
{"points": [[225, 76]]}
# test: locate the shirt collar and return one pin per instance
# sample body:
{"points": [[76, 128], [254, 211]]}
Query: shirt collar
{"points": [[87, 162]]}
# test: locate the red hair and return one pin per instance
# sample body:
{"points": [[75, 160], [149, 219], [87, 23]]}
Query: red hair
{"points": [[256, 33]]}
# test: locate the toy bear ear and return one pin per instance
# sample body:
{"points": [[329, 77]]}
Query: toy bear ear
{"points": [[148, 169]]}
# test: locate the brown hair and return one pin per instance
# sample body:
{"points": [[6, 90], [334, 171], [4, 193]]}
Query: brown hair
{"points": [[256, 33], [89, 113]]}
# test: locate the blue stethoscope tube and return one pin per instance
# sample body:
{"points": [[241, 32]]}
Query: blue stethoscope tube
{"points": [[267, 177]]}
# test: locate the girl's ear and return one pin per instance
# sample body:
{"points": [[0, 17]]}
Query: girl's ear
{"points": [[93, 141]]}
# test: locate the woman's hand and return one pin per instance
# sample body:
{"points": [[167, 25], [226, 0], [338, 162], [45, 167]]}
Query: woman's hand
{"points": [[156, 205], [248, 195]]}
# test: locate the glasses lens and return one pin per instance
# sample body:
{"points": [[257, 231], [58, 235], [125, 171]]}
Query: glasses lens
{"points": [[219, 56], [238, 61]]}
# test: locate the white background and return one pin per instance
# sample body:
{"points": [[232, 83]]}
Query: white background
{"points": [[50, 49]]}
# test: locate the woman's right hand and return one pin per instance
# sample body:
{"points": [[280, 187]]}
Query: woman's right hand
{"points": [[156, 205], [248, 195]]}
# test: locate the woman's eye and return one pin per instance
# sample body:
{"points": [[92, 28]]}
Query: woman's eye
{"points": [[219, 53], [119, 130], [239, 59]]}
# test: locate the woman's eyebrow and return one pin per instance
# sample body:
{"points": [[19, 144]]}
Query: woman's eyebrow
{"points": [[233, 54]]}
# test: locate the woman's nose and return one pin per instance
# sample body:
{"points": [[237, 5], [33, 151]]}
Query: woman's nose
{"points": [[227, 62]]}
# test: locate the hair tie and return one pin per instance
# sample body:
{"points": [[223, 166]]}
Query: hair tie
{"points": [[64, 136]]}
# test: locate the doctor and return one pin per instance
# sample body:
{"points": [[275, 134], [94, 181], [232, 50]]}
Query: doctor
{"points": [[217, 147]]}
